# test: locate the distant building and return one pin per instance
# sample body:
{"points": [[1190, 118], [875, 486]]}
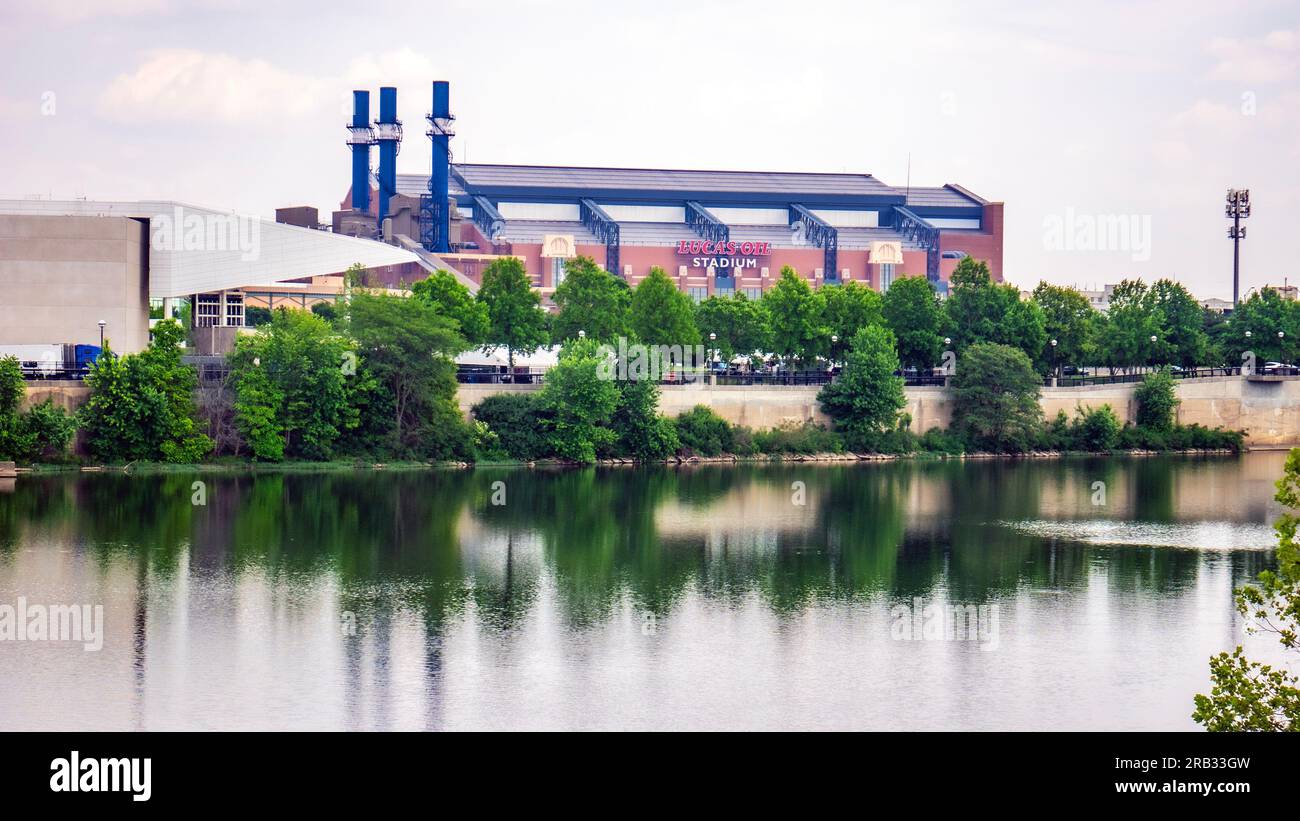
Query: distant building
{"points": [[65, 266]]}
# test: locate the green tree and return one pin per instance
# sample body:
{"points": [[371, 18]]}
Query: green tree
{"points": [[327, 311], [846, 309], [795, 317], [661, 313], [1068, 318], [516, 320], [141, 406], [1182, 322], [1024, 327], [981, 310], [407, 347], [739, 323], [1255, 325], [593, 300], [1248, 696], [975, 308], [866, 399], [451, 299], [1156, 401], [294, 379], [995, 398], [1131, 322], [13, 387], [912, 311], [253, 315], [580, 402]]}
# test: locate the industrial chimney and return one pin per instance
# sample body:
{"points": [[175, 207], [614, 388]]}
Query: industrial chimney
{"points": [[360, 138], [388, 134], [440, 132]]}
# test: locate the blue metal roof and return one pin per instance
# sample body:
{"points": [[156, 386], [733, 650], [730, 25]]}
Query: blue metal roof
{"points": [[649, 185], [948, 196]]}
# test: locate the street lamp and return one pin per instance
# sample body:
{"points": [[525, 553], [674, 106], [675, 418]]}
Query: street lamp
{"points": [[582, 334], [713, 353], [1053, 356], [102, 323]]}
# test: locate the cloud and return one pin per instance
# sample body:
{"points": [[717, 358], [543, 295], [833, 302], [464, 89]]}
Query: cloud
{"points": [[184, 85], [1273, 58], [190, 86]]}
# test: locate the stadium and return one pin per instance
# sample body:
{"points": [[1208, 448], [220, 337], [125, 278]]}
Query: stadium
{"points": [[716, 232]]}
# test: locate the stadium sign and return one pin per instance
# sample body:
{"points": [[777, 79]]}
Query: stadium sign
{"points": [[723, 255]]}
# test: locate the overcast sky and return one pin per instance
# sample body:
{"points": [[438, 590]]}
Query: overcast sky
{"points": [[1147, 110]]}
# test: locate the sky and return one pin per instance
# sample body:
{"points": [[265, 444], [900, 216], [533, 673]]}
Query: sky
{"points": [[1132, 114]]}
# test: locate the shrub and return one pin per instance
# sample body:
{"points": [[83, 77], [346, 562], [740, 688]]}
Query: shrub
{"points": [[703, 433], [1095, 429], [1156, 401], [519, 423], [805, 439], [141, 406], [940, 440], [639, 429]]}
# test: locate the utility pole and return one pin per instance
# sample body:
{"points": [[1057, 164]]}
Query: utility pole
{"points": [[1238, 208]]}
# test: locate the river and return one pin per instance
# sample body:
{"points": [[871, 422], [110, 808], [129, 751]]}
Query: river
{"points": [[1049, 594]]}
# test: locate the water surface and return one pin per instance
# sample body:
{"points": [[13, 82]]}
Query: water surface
{"points": [[709, 597]]}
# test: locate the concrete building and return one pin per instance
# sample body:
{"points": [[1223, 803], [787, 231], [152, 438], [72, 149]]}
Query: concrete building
{"points": [[67, 265]]}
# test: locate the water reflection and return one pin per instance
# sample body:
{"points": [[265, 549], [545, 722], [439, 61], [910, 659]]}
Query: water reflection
{"points": [[383, 600]]}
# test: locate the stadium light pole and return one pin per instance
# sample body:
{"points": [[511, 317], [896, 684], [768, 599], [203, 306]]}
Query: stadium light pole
{"points": [[1237, 209]]}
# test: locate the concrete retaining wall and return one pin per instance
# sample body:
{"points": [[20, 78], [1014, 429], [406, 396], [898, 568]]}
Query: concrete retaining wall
{"points": [[1269, 412], [69, 395]]}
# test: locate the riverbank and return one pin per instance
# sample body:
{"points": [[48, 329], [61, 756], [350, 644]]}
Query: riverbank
{"points": [[154, 468]]}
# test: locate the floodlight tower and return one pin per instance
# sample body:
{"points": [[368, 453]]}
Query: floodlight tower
{"points": [[1237, 209]]}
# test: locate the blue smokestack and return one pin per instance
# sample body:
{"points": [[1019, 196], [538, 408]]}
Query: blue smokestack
{"points": [[388, 133], [360, 138], [441, 132]]}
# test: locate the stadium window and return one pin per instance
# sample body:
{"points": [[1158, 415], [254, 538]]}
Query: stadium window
{"points": [[235, 310], [698, 294], [754, 293], [719, 291], [208, 310], [557, 271], [886, 276]]}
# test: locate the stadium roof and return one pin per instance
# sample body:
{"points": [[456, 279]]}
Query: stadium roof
{"points": [[948, 196], [784, 183]]}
